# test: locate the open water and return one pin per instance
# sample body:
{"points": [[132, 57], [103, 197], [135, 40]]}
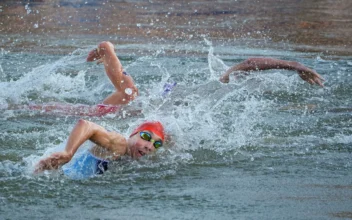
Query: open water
{"points": [[266, 146]]}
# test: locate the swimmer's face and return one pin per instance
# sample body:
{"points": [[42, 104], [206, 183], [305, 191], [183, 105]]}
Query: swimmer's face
{"points": [[142, 143]]}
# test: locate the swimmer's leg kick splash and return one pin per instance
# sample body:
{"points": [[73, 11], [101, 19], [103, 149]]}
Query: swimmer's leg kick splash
{"points": [[85, 110], [88, 110], [75, 109], [80, 109]]}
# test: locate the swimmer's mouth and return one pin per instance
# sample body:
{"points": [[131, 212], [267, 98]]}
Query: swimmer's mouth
{"points": [[141, 153]]}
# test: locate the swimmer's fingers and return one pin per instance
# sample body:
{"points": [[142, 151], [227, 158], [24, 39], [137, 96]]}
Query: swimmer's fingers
{"points": [[52, 162], [94, 55], [311, 77], [319, 81], [39, 167], [45, 164], [60, 158], [317, 78], [100, 61], [225, 78]]}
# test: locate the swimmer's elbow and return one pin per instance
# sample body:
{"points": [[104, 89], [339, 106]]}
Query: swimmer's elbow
{"points": [[82, 122]]}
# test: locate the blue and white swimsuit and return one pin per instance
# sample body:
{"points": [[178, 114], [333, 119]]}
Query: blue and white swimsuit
{"points": [[84, 166]]}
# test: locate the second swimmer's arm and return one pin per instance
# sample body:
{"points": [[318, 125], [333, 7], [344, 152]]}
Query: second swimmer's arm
{"points": [[255, 64], [124, 85]]}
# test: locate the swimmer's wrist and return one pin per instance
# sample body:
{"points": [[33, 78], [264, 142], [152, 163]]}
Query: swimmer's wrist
{"points": [[69, 155]]}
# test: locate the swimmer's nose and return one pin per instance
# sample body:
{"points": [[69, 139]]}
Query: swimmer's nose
{"points": [[149, 146]]}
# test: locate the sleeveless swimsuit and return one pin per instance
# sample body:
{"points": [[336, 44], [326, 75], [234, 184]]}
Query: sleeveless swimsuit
{"points": [[84, 166]]}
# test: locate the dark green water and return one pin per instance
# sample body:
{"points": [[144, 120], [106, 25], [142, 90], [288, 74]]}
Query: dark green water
{"points": [[268, 146]]}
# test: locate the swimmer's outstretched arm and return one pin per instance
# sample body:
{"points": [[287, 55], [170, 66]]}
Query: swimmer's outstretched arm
{"points": [[126, 91], [83, 131], [255, 64]]}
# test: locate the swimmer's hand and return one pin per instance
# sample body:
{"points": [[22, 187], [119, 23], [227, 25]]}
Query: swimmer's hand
{"points": [[99, 53], [94, 55], [309, 75], [225, 78], [53, 162]]}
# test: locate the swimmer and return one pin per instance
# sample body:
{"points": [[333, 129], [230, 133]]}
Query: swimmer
{"points": [[257, 64], [110, 145], [126, 90]]}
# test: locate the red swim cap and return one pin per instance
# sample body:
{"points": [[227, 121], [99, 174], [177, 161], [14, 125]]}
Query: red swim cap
{"points": [[154, 126]]}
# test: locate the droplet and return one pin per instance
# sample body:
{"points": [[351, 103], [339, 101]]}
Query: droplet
{"points": [[128, 91]]}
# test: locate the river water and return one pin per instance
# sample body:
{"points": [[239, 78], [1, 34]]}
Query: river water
{"points": [[266, 146]]}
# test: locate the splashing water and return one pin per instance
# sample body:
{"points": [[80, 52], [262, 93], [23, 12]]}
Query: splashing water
{"points": [[235, 114]]}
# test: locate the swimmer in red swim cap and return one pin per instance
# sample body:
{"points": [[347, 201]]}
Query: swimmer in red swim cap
{"points": [[110, 145], [146, 138]]}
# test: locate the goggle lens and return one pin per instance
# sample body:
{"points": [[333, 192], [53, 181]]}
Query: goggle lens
{"points": [[145, 136], [158, 144]]}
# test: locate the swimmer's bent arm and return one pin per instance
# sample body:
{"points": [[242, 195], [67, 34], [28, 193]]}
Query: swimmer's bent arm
{"points": [[256, 64], [83, 131], [126, 90]]}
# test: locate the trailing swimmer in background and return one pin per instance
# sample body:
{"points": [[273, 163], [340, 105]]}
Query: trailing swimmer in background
{"points": [[256, 64]]}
